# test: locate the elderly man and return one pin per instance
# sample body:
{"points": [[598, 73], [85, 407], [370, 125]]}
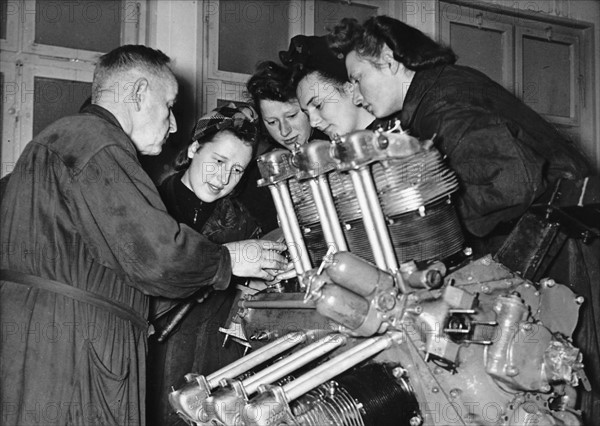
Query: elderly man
{"points": [[86, 240]]}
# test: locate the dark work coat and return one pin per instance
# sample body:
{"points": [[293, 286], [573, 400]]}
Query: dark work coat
{"points": [[79, 209], [195, 346], [504, 153]]}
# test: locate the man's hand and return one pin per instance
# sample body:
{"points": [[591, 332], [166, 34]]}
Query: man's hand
{"points": [[257, 258], [285, 274]]}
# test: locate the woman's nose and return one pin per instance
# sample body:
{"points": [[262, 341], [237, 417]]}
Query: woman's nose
{"points": [[285, 128], [314, 118], [357, 97], [225, 175], [172, 122]]}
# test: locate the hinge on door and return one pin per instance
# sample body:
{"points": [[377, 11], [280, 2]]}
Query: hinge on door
{"points": [[19, 68], [138, 8], [581, 84], [63, 59]]}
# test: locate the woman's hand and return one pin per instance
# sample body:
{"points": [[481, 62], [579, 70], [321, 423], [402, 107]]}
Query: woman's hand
{"points": [[257, 258]]}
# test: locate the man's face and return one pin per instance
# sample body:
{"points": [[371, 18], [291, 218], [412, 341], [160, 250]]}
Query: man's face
{"points": [[155, 120], [375, 87]]}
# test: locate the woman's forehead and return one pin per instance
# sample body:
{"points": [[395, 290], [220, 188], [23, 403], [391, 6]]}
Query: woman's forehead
{"points": [[270, 107]]}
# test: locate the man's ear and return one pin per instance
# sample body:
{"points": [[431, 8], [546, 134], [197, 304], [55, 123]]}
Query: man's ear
{"points": [[192, 149], [139, 91]]}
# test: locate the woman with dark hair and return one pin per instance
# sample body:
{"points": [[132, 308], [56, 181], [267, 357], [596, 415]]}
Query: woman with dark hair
{"points": [[275, 100], [504, 153], [201, 195], [322, 86], [281, 122]]}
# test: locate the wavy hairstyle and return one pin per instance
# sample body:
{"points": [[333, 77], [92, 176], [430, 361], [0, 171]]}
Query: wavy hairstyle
{"points": [[240, 120], [410, 47], [271, 82], [311, 54]]}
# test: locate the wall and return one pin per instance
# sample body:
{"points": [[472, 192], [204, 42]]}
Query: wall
{"points": [[177, 27], [425, 15]]}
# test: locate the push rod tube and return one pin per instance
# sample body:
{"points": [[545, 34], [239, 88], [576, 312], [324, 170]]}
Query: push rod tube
{"points": [[256, 358], [335, 366], [293, 362]]}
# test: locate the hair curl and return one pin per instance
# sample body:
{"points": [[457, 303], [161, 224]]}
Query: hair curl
{"points": [[237, 120], [271, 82], [311, 54], [411, 47]]}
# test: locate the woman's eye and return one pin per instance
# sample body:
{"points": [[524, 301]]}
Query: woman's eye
{"points": [[292, 115]]}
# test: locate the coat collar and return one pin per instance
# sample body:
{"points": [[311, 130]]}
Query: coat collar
{"points": [[102, 113], [422, 83]]}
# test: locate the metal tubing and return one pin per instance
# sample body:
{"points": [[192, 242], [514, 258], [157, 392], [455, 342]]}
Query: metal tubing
{"points": [[255, 358], [293, 362], [276, 304], [379, 220], [335, 366], [326, 224], [287, 230], [288, 206], [363, 202], [338, 234]]}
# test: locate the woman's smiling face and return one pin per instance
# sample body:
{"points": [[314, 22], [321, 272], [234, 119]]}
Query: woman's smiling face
{"points": [[217, 166]]}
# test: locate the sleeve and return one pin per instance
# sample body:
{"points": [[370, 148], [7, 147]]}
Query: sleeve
{"points": [[499, 175], [127, 228]]}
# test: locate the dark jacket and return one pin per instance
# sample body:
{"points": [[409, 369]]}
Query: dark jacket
{"points": [[196, 345], [504, 153], [80, 210]]}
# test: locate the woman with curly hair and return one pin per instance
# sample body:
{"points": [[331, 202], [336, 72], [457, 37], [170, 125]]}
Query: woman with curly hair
{"points": [[201, 195]]}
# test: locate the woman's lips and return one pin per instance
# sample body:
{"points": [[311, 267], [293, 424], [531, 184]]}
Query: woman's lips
{"points": [[290, 141], [214, 188]]}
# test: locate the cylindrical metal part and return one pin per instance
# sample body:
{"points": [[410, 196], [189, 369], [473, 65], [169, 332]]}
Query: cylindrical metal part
{"points": [[368, 220], [256, 358], [342, 305], [335, 366], [357, 275], [287, 230], [379, 220], [326, 223], [293, 362], [288, 206], [276, 304], [338, 233]]}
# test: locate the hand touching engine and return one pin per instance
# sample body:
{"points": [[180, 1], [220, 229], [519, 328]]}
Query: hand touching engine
{"points": [[257, 258]]}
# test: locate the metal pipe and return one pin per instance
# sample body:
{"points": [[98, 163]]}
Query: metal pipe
{"points": [[338, 233], [287, 230], [276, 304], [335, 366], [326, 224], [256, 358], [368, 220], [379, 220], [293, 362], [288, 206]]}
